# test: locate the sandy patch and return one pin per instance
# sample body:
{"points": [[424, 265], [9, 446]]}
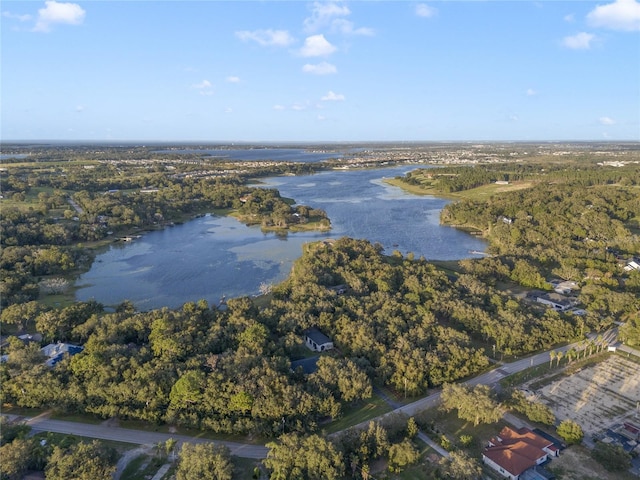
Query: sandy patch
{"points": [[596, 396], [576, 463]]}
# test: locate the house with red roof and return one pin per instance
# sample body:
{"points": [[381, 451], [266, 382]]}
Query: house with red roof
{"points": [[513, 452]]}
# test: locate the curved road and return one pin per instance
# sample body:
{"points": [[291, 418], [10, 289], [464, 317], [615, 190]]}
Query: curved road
{"points": [[118, 434], [104, 432]]}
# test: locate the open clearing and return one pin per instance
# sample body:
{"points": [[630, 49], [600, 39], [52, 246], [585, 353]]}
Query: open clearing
{"points": [[596, 396]]}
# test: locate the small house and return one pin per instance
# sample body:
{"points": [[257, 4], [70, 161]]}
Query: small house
{"points": [[317, 341], [557, 301], [56, 352]]}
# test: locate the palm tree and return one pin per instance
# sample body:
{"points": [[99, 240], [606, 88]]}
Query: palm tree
{"points": [[552, 356], [559, 356]]}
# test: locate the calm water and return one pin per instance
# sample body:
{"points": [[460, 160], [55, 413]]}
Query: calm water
{"points": [[214, 256], [263, 154]]}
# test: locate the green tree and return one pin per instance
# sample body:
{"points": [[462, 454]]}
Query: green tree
{"points": [[204, 461], [312, 458], [476, 405], [15, 458], [570, 431], [611, 457], [459, 466], [83, 461], [402, 454]]}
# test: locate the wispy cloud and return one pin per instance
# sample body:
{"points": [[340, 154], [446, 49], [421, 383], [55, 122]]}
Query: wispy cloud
{"points": [[580, 41], [80, 108], [279, 107], [17, 16], [205, 87], [322, 14], [332, 16], [58, 13], [322, 68], [233, 79], [620, 15], [531, 92], [266, 38], [346, 27], [570, 18], [333, 97], [606, 121], [317, 46], [424, 10]]}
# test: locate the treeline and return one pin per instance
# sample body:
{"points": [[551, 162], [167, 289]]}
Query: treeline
{"points": [[564, 231], [584, 173]]}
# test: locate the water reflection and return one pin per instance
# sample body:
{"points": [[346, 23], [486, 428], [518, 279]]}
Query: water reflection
{"points": [[210, 256]]}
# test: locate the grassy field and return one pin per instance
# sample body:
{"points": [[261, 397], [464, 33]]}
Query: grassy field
{"points": [[480, 193], [371, 408]]}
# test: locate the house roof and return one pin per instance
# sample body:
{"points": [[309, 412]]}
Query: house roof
{"points": [[317, 336], [309, 365], [511, 460], [517, 450]]}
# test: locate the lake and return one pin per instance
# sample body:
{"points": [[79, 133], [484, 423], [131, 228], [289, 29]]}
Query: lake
{"points": [[263, 154], [211, 257]]}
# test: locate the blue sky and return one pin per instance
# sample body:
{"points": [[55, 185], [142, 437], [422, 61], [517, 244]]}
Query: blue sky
{"points": [[320, 71]]}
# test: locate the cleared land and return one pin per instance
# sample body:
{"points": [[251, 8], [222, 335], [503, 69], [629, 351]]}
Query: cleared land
{"points": [[596, 396]]}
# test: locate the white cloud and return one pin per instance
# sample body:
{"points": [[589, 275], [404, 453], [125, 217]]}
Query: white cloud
{"points": [[203, 84], [606, 121], [620, 15], [204, 87], [80, 108], [323, 14], [321, 118], [298, 107], [580, 41], [424, 10], [16, 16], [317, 46], [233, 79], [228, 110], [58, 12], [279, 107], [514, 118], [570, 18], [322, 68], [531, 92], [341, 25], [277, 38], [333, 97]]}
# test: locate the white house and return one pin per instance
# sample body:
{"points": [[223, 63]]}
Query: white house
{"points": [[557, 301], [317, 341], [632, 264]]}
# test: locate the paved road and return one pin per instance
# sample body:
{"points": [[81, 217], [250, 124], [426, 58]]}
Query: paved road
{"points": [[490, 378], [118, 434]]}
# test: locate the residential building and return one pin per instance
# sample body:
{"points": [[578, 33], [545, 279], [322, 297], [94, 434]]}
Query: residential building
{"points": [[513, 452], [317, 341]]}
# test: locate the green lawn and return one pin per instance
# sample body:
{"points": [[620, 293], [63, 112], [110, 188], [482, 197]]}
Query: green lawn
{"points": [[371, 408]]}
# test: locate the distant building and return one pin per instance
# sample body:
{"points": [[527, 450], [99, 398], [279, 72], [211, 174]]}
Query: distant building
{"points": [[56, 352], [513, 452], [557, 301], [317, 341], [633, 264]]}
